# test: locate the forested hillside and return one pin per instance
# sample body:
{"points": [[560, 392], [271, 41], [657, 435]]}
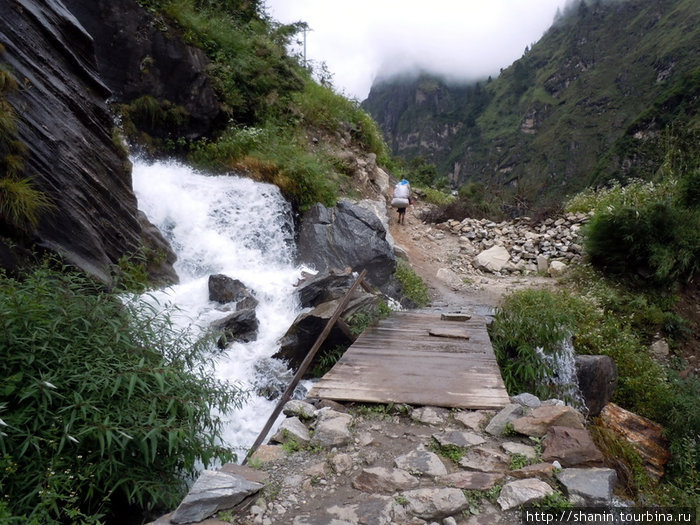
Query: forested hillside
{"points": [[597, 97]]}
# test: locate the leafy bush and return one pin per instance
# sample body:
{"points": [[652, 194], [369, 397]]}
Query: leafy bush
{"points": [[657, 240], [530, 324], [104, 406], [412, 285]]}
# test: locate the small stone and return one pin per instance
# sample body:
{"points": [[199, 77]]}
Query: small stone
{"points": [[522, 492], [498, 423], [421, 462]]}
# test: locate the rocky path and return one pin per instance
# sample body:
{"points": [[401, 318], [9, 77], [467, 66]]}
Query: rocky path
{"points": [[437, 257], [354, 464]]}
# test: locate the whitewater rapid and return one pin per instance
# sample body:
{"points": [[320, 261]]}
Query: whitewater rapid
{"points": [[237, 227]]}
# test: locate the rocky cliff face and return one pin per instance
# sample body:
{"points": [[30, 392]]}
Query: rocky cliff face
{"points": [[73, 154], [139, 54]]}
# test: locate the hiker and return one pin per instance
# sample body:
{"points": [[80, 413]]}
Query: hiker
{"points": [[402, 198]]}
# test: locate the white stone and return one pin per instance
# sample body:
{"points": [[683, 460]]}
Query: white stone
{"points": [[493, 259], [522, 492]]}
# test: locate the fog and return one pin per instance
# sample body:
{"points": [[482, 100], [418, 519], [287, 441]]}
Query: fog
{"points": [[364, 40]]}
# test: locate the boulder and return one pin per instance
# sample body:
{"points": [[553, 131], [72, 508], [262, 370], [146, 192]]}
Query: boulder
{"points": [[588, 486], [223, 289], [300, 409], [645, 436], [213, 491], [493, 259], [292, 429], [571, 447], [498, 423], [241, 326], [527, 400], [332, 429], [301, 336], [597, 379], [557, 268], [346, 236], [324, 287], [540, 419]]}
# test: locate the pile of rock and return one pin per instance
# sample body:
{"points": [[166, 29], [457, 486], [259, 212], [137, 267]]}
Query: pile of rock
{"points": [[519, 246]]}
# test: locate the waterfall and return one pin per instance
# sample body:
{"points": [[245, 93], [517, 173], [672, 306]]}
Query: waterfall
{"points": [[564, 382], [237, 227]]}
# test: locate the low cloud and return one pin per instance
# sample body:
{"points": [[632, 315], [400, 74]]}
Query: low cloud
{"points": [[364, 40]]}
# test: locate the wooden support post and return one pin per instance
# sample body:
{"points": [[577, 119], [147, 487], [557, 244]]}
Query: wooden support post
{"points": [[304, 365]]}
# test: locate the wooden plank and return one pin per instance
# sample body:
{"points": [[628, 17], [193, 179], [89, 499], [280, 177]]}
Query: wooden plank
{"points": [[399, 361]]}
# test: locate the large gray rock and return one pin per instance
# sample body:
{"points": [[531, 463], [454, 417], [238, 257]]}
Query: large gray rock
{"points": [[301, 336], [588, 486], [493, 259], [213, 491], [597, 380], [241, 326], [346, 236], [71, 154], [292, 429], [224, 289], [324, 287]]}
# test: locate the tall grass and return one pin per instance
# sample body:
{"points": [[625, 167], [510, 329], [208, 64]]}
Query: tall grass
{"points": [[104, 405]]}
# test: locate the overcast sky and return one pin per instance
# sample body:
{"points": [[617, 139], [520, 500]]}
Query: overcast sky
{"points": [[366, 39]]}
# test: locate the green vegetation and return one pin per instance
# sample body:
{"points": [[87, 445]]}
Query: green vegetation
{"points": [[532, 324], [21, 204], [279, 119], [452, 452], [592, 101], [105, 407], [412, 285]]}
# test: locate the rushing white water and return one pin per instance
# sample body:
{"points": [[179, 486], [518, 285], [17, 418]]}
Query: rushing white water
{"points": [[564, 381], [239, 228]]}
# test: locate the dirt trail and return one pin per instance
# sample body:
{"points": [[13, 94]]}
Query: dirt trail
{"points": [[435, 256]]}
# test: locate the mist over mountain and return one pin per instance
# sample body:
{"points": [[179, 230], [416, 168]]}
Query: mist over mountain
{"points": [[597, 97]]}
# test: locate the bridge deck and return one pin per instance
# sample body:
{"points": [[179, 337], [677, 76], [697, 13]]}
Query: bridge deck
{"points": [[418, 359]]}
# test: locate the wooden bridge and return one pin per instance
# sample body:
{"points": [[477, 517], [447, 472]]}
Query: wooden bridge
{"points": [[418, 359]]}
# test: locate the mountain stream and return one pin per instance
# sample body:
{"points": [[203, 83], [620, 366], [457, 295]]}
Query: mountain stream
{"points": [[240, 228]]}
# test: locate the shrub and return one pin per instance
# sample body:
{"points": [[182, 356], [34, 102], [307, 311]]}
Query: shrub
{"points": [[105, 406], [412, 285], [657, 240], [21, 204], [530, 324]]}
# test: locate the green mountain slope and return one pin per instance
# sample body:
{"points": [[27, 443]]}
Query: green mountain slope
{"points": [[592, 100]]}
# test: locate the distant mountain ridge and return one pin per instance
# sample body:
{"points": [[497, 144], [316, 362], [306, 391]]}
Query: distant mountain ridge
{"points": [[593, 99]]}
